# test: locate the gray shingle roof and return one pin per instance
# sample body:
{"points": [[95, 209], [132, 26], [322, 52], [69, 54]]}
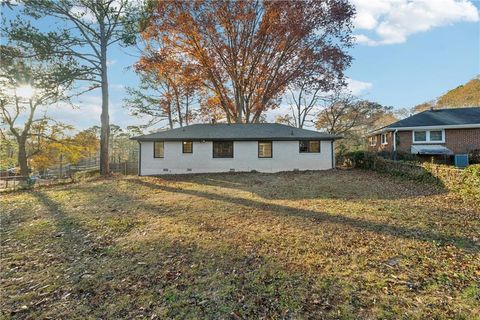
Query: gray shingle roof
{"points": [[250, 131], [440, 117]]}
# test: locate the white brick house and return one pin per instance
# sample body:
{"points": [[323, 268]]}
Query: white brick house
{"points": [[263, 147]]}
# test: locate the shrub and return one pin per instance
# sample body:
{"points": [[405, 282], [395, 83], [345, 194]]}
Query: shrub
{"points": [[471, 183], [86, 174], [465, 181], [358, 159], [474, 156]]}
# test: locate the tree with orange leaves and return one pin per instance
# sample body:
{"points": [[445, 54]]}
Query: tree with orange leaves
{"points": [[174, 82], [246, 53]]}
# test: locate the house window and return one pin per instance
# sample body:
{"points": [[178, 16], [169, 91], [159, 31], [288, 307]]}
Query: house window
{"points": [[373, 141], [187, 146], [428, 136], [420, 136], [223, 149], [158, 149], [384, 138], [264, 149], [309, 146], [436, 135]]}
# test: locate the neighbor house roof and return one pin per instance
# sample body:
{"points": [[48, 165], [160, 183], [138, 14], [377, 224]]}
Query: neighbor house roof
{"points": [[440, 118], [250, 131]]}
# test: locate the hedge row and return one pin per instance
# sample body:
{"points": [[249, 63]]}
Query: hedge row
{"points": [[465, 181]]}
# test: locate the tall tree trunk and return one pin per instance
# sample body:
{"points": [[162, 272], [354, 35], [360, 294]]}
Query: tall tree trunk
{"points": [[22, 156], [105, 119], [170, 117], [186, 110], [179, 109]]}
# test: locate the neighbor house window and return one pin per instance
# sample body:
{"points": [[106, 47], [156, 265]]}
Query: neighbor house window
{"points": [[187, 146], [384, 138], [158, 149], [429, 136], [309, 146], [264, 149], [373, 141], [223, 149], [419, 136], [436, 135]]}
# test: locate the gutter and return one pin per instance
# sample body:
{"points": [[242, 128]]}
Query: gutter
{"points": [[332, 138]]}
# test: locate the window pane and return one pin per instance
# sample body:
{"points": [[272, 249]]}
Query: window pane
{"points": [[265, 149], [420, 135], [303, 146], [223, 149], [310, 146], [436, 135], [314, 146], [158, 149], [187, 146], [384, 138]]}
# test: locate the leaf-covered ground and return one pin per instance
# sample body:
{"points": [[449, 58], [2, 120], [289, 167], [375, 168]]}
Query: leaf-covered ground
{"points": [[318, 245]]}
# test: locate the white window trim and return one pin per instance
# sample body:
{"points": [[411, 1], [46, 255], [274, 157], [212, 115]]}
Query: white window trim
{"points": [[427, 134], [386, 138], [373, 141]]}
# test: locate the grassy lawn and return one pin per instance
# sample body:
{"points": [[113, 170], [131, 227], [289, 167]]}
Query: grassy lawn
{"points": [[318, 245]]}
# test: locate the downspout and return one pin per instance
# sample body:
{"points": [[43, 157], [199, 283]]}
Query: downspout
{"points": [[395, 144], [139, 158], [333, 154]]}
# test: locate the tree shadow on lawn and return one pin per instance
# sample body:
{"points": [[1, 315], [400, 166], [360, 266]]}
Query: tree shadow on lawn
{"points": [[328, 184], [159, 277], [74, 255], [319, 217]]}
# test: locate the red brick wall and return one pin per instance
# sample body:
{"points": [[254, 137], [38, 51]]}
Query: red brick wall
{"points": [[462, 140], [382, 147], [457, 140], [404, 141]]}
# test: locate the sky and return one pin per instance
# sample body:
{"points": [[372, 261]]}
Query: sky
{"points": [[407, 52]]}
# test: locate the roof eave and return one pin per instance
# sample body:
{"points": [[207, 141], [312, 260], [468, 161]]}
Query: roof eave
{"points": [[237, 139]]}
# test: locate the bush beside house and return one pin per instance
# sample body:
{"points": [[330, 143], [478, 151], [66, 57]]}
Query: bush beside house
{"points": [[465, 181]]}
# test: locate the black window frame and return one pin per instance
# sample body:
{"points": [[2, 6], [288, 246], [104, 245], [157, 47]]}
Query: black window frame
{"points": [[308, 146], [271, 149], [222, 157], [183, 146], [154, 154]]}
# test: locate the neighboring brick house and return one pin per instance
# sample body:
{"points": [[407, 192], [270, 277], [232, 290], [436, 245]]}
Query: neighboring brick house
{"points": [[432, 132]]}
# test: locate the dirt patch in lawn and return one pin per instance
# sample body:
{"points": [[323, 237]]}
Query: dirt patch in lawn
{"points": [[326, 245]]}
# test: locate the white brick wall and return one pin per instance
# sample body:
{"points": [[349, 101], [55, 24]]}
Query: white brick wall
{"points": [[286, 156]]}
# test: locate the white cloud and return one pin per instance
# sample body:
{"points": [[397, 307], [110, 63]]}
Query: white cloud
{"points": [[357, 87], [393, 21], [86, 114], [84, 14], [116, 86]]}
